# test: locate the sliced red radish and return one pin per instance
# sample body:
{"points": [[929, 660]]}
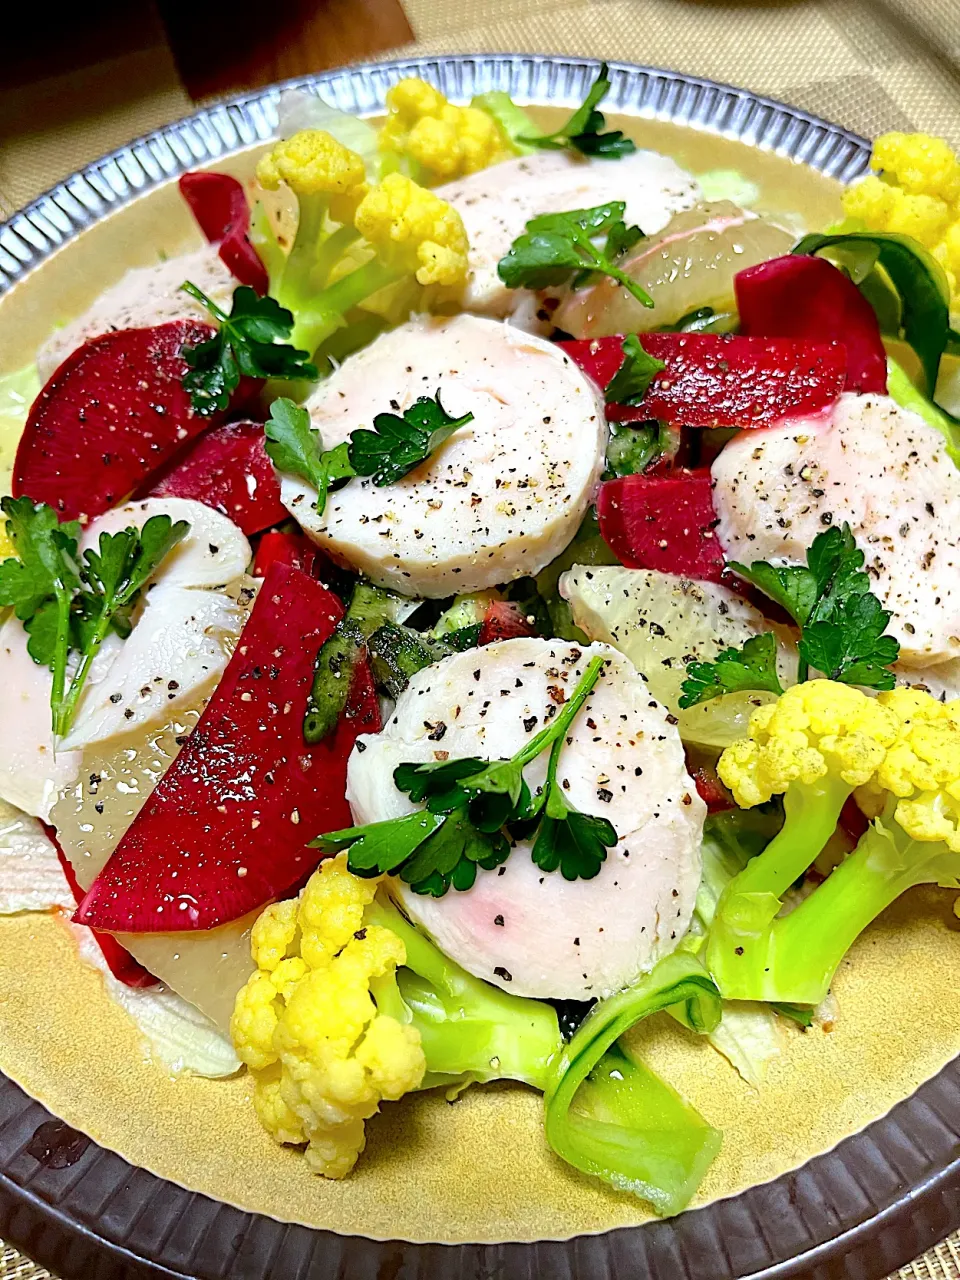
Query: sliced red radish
{"points": [[664, 523], [809, 298], [504, 620], [228, 469], [119, 960], [227, 827], [219, 204], [721, 379], [111, 416]]}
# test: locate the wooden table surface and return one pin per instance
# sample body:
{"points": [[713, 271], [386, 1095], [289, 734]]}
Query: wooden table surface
{"points": [[217, 48]]}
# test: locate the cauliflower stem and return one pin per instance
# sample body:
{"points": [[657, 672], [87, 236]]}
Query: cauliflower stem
{"points": [[902, 752], [610, 1115], [354, 240], [793, 957], [470, 1030]]}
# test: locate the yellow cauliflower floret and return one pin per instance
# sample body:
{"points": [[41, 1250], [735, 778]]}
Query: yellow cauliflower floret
{"points": [[921, 164], [815, 729], [273, 934], [313, 162], [447, 140], [921, 768], [414, 230], [918, 195], [6, 545], [306, 1025]]}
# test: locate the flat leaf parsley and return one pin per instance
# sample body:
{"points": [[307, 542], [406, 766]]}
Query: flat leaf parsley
{"points": [[468, 803], [249, 343], [632, 380], [584, 130], [559, 248], [67, 603], [842, 625], [395, 446]]}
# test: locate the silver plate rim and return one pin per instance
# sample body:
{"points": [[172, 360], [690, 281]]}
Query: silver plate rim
{"points": [[232, 124]]}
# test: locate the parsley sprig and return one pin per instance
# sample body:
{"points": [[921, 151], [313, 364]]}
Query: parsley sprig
{"points": [[559, 248], [584, 130], [69, 603], [842, 625], [467, 804], [395, 446], [632, 380], [250, 342], [753, 666]]}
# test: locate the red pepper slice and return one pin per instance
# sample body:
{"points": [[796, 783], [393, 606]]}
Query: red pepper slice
{"points": [[721, 379], [228, 469], [710, 789], [111, 416], [503, 620], [286, 548], [662, 522], [805, 297], [119, 960], [219, 204], [227, 826]]}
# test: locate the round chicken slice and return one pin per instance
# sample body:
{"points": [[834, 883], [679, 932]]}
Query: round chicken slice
{"points": [[143, 297], [183, 634], [884, 471], [529, 931], [496, 204], [500, 498]]}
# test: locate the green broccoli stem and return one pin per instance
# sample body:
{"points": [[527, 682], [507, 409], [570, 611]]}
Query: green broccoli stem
{"points": [[323, 313], [612, 1116], [803, 950], [736, 947], [470, 1030]]}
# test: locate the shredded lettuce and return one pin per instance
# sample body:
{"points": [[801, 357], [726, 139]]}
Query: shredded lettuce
{"points": [[178, 1036], [18, 390], [729, 184], [910, 397], [299, 109]]}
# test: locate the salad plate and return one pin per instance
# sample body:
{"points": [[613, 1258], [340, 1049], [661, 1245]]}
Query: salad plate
{"points": [[128, 1142]]}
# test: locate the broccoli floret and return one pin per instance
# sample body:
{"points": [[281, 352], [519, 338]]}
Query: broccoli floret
{"points": [[354, 241]]}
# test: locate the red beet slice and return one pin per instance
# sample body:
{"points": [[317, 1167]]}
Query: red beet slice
{"points": [[227, 826], [809, 298], [722, 379], [113, 414], [504, 620], [228, 469], [219, 204], [119, 960], [662, 522]]}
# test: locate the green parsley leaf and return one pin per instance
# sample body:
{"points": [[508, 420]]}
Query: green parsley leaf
{"points": [[292, 446], [632, 380], [842, 622], [468, 802], [583, 131], [572, 842], [249, 343], [381, 847], [70, 605], [557, 248], [850, 645], [398, 444], [752, 666]]}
